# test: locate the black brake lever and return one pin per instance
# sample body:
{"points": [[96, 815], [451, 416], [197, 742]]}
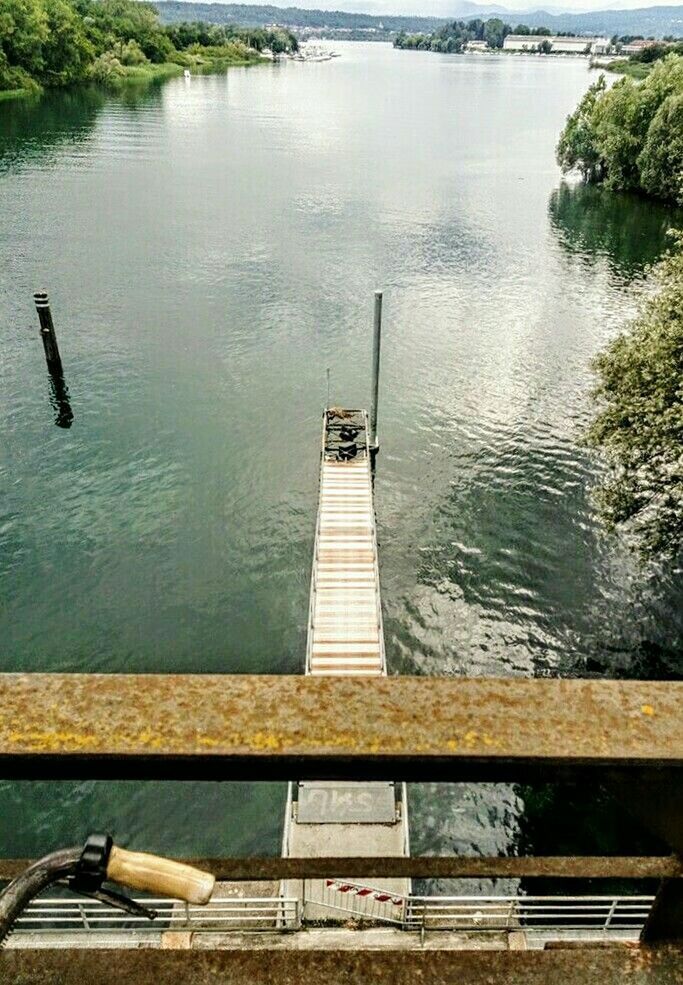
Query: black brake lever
{"points": [[91, 871], [122, 902]]}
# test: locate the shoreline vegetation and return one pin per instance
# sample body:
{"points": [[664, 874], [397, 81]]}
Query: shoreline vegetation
{"points": [[639, 65], [638, 423], [630, 137], [454, 37], [56, 43], [489, 36]]}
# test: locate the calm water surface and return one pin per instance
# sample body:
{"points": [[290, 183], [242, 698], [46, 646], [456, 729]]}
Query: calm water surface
{"points": [[210, 248]]}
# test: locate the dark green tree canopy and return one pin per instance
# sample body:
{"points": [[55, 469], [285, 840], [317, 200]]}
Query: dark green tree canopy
{"points": [[639, 423], [58, 42], [630, 136]]}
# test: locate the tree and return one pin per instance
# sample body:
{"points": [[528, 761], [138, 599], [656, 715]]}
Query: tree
{"points": [[661, 161], [630, 136], [545, 47], [494, 32], [578, 146], [67, 53], [619, 134], [476, 29], [522, 29], [23, 31], [639, 423]]}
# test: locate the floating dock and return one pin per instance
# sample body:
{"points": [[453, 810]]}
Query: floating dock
{"points": [[345, 637]]}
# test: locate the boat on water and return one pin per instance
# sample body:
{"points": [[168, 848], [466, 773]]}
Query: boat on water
{"points": [[313, 53]]}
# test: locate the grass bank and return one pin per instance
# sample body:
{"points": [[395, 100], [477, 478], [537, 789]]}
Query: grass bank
{"points": [[148, 74], [624, 66]]}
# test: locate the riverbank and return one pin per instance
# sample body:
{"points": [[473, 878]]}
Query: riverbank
{"points": [[118, 42], [131, 75], [624, 66]]}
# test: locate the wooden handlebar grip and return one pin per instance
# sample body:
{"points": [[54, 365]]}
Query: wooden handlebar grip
{"points": [[160, 876]]}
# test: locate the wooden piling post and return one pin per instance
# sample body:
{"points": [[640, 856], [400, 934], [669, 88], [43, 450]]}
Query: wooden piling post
{"points": [[47, 332], [377, 334]]}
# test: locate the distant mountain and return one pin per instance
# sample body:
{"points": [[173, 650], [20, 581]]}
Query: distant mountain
{"points": [[655, 21], [648, 21]]}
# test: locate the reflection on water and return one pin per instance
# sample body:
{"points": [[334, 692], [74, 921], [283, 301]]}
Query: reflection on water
{"points": [[38, 128], [59, 398], [213, 246], [629, 231]]}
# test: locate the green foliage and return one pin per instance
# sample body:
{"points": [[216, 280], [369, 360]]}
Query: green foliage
{"points": [[639, 424], [107, 69], [661, 160], [630, 136], [452, 37], [23, 32], [132, 54], [67, 52], [186, 34], [495, 31], [577, 148], [58, 42]]}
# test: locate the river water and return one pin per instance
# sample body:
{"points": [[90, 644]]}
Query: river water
{"points": [[211, 247]]}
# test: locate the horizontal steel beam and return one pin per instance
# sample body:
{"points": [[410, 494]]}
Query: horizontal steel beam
{"points": [[58, 726], [572, 966], [425, 867]]}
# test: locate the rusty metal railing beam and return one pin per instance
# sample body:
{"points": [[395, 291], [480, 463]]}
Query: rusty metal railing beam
{"points": [[571, 966], [214, 727], [424, 867]]}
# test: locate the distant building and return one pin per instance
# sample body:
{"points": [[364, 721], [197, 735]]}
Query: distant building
{"points": [[477, 46], [569, 46], [635, 47]]}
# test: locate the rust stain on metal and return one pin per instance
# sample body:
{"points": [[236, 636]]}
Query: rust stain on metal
{"points": [[300, 716], [267, 966], [423, 867]]}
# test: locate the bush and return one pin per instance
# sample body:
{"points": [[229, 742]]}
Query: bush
{"points": [[15, 78], [107, 69], [132, 54]]}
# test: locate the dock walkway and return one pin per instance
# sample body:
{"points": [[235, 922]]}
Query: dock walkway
{"points": [[346, 637], [345, 629]]}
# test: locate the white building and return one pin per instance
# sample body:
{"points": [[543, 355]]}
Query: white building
{"points": [[635, 47], [570, 46], [477, 46]]}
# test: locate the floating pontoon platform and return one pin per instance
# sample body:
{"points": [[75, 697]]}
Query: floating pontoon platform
{"points": [[345, 637]]}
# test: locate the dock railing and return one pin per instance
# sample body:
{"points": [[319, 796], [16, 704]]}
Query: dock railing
{"points": [[621, 917], [48, 915]]}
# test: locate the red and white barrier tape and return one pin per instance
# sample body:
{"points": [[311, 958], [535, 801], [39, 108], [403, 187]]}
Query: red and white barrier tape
{"points": [[364, 892]]}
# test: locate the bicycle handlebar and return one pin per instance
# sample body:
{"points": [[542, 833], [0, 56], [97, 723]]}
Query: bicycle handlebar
{"points": [[86, 868], [153, 874]]}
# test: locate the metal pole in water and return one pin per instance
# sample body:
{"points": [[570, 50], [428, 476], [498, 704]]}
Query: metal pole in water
{"points": [[47, 331], [374, 442], [59, 390]]}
